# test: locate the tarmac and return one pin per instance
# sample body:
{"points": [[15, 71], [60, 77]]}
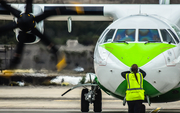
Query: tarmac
{"points": [[38, 99]]}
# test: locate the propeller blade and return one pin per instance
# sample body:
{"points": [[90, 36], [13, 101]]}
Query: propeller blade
{"points": [[7, 27], [18, 51], [61, 60], [28, 6], [45, 40], [46, 14], [14, 11]]}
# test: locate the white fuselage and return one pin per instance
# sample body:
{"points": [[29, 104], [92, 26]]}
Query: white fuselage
{"points": [[160, 60]]}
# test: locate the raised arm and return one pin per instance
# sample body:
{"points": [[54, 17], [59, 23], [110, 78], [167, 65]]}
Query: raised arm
{"points": [[123, 74], [143, 72]]}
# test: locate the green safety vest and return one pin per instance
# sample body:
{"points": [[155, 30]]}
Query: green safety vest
{"points": [[135, 89]]}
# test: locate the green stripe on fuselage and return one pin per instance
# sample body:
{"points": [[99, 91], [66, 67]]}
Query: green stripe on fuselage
{"points": [[108, 91], [136, 53], [172, 95], [149, 89], [121, 90]]}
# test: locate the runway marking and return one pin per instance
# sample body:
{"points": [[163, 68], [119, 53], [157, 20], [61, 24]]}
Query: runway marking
{"points": [[102, 100], [66, 100], [156, 110]]}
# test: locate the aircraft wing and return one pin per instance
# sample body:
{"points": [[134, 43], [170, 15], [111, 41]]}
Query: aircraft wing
{"points": [[112, 12], [4, 14], [102, 12], [80, 12], [77, 12]]}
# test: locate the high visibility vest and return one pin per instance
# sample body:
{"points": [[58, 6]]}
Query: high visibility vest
{"points": [[135, 89]]}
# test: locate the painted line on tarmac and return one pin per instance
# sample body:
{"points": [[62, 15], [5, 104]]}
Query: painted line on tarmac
{"points": [[66, 100], [156, 110], [102, 100]]}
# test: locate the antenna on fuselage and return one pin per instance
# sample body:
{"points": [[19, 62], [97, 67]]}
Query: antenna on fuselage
{"points": [[139, 9], [164, 2]]}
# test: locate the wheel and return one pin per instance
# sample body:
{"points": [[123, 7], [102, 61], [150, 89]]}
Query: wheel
{"points": [[143, 108], [98, 101], [84, 103]]}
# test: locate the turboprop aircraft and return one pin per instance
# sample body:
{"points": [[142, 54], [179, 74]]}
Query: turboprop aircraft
{"points": [[146, 35]]}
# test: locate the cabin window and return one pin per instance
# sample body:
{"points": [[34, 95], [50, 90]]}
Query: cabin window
{"points": [[124, 35], [108, 37], [166, 36], [149, 35]]}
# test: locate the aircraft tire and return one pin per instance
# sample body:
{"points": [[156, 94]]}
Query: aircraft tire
{"points": [[143, 108], [84, 103], [98, 101]]}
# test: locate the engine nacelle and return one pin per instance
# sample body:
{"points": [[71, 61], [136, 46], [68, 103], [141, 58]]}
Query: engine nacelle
{"points": [[30, 38]]}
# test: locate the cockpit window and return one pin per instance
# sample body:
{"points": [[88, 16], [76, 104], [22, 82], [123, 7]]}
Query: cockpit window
{"points": [[175, 37], [166, 36], [108, 37], [149, 35], [102, 35], [125, 35], [177, 30]]}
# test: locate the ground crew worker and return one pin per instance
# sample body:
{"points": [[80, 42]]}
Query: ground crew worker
{"points": [[135, 91]]}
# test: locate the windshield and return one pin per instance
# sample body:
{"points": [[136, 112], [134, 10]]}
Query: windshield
{"points": [[149, 35], [124, 35]]}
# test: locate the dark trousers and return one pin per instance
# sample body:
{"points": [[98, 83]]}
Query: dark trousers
{"points": [[134, 106]]}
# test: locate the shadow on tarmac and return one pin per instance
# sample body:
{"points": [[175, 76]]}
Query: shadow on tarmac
{"points": [[77, 111]]}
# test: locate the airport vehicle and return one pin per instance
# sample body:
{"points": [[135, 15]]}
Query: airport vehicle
{"points": [[148, 35]]}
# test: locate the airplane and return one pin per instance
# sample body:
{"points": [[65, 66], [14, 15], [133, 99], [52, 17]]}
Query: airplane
{"points": [[144, 34]]}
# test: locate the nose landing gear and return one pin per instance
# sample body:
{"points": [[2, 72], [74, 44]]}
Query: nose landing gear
{"points": [[89, 96], [93, 96]]}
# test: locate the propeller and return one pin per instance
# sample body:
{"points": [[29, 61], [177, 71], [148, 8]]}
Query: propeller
{"points": [[27, 23], [14, 11]]}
